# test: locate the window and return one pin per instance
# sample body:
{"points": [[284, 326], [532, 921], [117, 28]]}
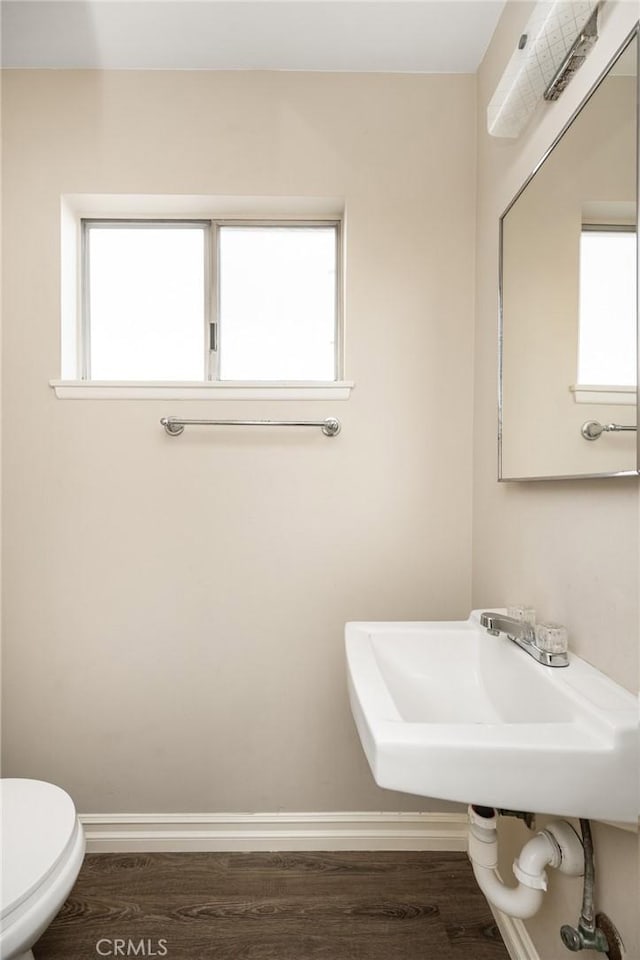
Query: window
{"points": [[144, 301], [207, 300], [607, 337]]}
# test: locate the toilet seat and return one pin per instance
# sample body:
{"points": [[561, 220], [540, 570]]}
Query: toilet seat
{"points": [[38, 822], [42, 851]]}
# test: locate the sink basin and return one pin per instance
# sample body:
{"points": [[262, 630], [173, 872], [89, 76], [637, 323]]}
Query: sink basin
{"points": [[445, 710]]}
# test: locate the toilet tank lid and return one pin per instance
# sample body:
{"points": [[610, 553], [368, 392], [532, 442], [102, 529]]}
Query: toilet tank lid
{"points": [[38, 825]]}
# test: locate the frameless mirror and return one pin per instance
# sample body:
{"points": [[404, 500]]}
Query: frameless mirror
{"points": [[569, 296]]}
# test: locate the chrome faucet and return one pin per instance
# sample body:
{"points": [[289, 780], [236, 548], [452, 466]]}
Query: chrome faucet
{"points": [[523, 634]]}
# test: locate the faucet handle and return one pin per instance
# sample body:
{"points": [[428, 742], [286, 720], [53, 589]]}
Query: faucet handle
{"points": [[552, 637], [519, 611]]}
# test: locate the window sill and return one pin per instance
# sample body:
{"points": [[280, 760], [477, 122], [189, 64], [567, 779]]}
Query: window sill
{"points": [[586, 393], [229, 390]]}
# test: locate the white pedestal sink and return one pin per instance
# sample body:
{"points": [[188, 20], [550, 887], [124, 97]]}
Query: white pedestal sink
{"points": [[445, 710]]}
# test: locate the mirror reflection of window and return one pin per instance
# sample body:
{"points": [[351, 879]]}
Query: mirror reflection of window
{"points": [[568, 322], [607, 335]]}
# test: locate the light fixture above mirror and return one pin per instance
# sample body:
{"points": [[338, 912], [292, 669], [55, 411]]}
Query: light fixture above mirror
{"points": [[554, 44]]}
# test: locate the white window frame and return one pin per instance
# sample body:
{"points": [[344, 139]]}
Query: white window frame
{"points": [[187, 210], [211, 331]]}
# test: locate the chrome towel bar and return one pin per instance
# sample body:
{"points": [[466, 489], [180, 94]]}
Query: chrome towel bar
{"points": [[591, 429], [175, 425]]}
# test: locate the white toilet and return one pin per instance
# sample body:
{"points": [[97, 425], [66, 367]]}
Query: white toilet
{"points": [[42, 851]]}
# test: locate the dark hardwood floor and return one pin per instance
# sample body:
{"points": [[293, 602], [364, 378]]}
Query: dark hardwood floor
{"points": [[275, 906]]}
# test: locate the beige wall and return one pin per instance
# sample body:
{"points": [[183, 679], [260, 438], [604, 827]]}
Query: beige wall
{"points": [[174, 609], [569, 548]]}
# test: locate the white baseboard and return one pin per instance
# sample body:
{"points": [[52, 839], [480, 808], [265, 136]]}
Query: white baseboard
{"points": [[519, 944], [203, 832]]}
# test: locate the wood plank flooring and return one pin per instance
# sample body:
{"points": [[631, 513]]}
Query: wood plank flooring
{"points": [[275, 906]]}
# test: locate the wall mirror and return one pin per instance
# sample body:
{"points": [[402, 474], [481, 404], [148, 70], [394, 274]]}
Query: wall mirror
{"points": [[569, 296]]}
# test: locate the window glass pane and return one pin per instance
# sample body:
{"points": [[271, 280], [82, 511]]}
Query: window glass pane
{"points": [[277, 303], [607, 342], [146, 287]]}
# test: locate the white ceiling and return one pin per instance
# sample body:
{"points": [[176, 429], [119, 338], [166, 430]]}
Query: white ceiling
{"points": [[412, 36]]}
